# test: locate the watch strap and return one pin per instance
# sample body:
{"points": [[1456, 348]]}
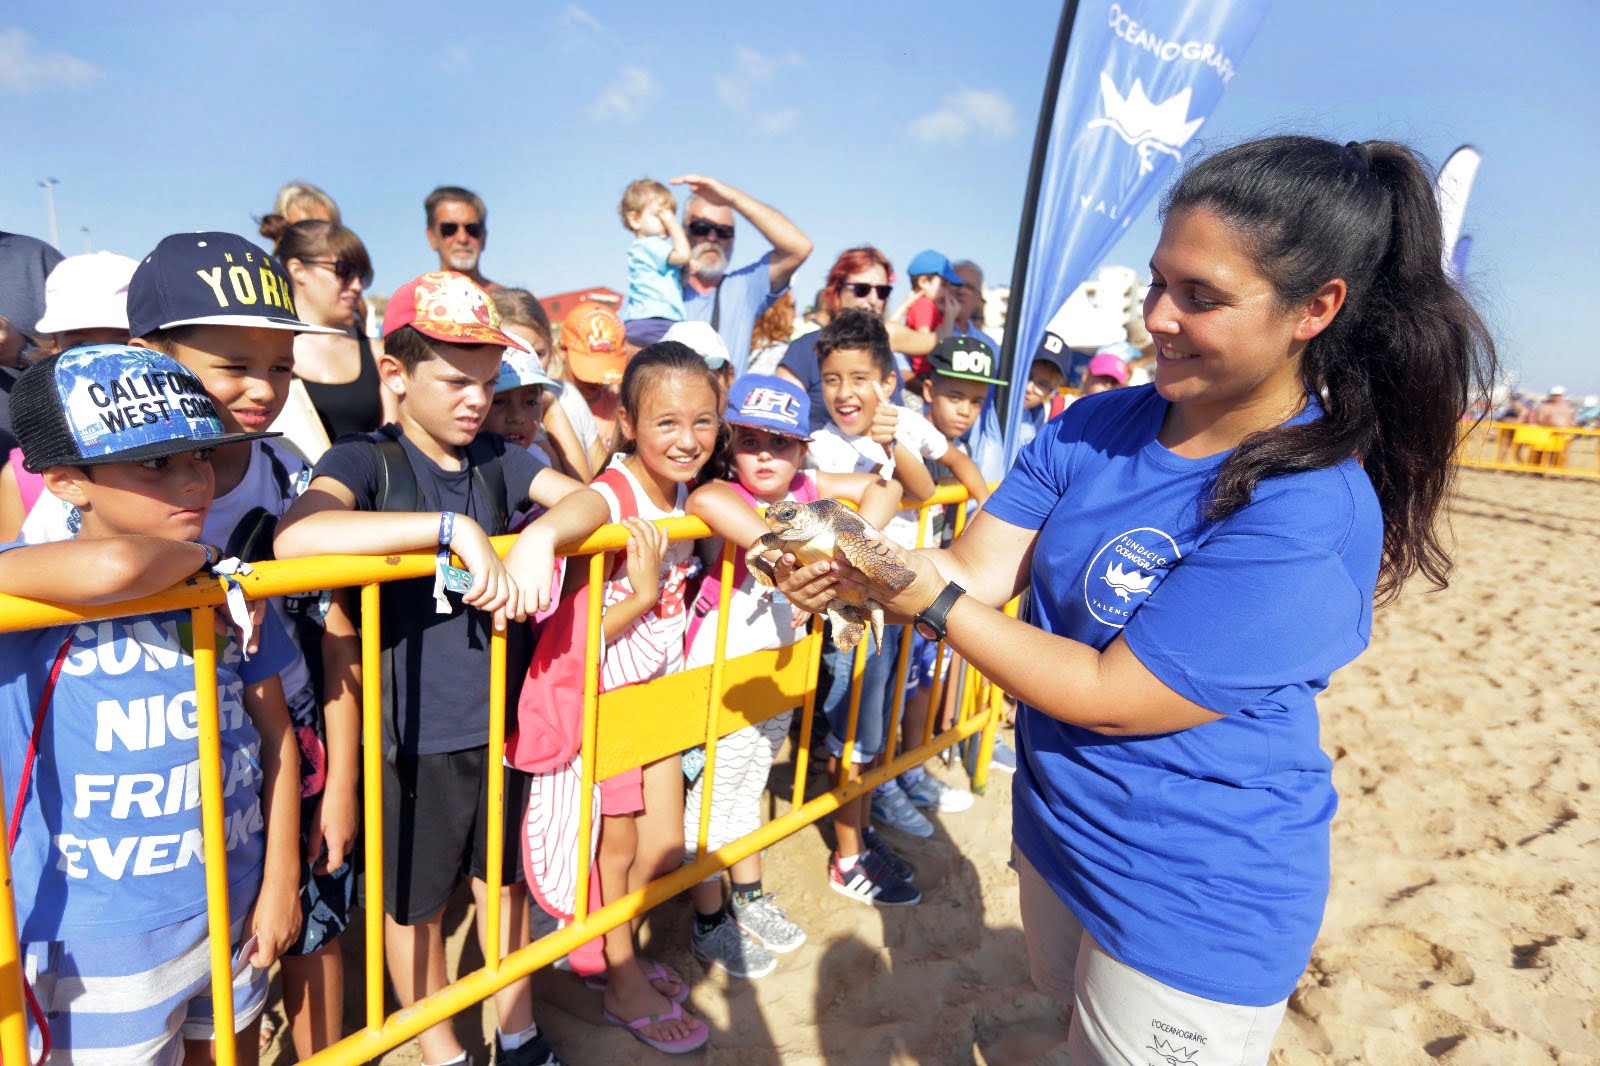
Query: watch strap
{"points": [[937, 614]]}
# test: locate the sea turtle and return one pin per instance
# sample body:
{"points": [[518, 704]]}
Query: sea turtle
{"points": [[816, 531]]}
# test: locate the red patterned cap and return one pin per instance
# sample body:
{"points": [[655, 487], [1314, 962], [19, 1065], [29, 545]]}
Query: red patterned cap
{"points": [[447, 306]]}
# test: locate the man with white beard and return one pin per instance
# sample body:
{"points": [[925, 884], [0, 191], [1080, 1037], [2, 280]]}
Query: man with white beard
{"points": [[732, 300], [458, 228]]}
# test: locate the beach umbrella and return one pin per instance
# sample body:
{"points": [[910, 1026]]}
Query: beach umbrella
{"points": [[1129, 85]]}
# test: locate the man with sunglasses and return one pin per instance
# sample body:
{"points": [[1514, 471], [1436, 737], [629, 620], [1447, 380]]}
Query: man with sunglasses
{"points": [[458, 228], [732, 300]]}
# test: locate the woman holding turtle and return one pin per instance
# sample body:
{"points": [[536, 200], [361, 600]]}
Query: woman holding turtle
{"points": [[1203, 553]]}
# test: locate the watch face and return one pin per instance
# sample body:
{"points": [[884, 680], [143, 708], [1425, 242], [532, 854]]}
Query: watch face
{"points": [[926, 631]]}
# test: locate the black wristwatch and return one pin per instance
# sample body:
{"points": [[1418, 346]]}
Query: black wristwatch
{"points": [[930, 624]]}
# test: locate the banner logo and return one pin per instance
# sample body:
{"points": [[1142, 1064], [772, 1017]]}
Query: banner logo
{"points": [[1146, 126]]}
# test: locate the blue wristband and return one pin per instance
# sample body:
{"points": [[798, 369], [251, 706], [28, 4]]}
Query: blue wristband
{"points": [[447, 529]]}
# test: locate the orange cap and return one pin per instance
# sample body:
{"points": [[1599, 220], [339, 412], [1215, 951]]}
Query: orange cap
{"points": [[592, 336]]}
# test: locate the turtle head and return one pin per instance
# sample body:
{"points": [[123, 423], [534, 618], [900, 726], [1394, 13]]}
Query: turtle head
{"points": [[792, 521]]}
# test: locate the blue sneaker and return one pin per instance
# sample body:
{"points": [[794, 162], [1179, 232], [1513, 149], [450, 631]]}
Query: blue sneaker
{"points": [[902, 869], [893, 808]]}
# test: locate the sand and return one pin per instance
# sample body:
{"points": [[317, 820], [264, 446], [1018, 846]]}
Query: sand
{"points": [[1464, 920]]}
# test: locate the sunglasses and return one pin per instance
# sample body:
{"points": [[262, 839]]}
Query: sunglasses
{"points": [[701, 228], [860, 289], [474, 229], [345, 271]]}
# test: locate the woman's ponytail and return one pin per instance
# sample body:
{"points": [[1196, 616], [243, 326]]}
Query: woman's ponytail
{"points": [[1397, 368]]}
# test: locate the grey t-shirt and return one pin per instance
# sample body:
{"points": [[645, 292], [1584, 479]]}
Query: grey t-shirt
{"points": [[436, 666]]}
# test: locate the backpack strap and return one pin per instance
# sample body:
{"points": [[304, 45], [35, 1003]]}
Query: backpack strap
{"points": [[490, 477], [397, 482], [627, 504], [29, 486]]}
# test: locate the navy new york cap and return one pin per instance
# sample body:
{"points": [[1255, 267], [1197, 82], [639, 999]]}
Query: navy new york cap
{"points": [[964, 356], [215, 279], [113, 403]]}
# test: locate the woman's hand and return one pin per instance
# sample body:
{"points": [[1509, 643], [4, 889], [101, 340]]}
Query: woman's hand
{"points": [[811, 587]]}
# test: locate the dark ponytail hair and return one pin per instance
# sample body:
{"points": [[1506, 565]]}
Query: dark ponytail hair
{"points": [[1398, 366], [654, 364]]}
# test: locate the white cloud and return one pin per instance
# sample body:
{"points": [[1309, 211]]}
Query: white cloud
{"points": [[24, 67], [457, 59], [779, 121], [751, 70], [624, 97], [966, 113], [575, 17]]}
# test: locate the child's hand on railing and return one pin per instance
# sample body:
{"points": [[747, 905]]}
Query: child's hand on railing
{"points": [[531, 562], [493, 589], [647, 545]]}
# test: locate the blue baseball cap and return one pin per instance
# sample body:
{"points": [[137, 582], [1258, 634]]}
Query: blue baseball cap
{"points": [[113, 403], [519, 367], [766, 401], [932, 262]]}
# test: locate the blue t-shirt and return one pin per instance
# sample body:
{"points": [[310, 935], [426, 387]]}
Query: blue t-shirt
{"points": [[110, 842], [746, 294], [654, 288], [1200, 857]]}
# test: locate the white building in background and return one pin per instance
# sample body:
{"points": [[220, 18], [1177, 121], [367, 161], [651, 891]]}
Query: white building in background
{"points": [[1096, 314]]}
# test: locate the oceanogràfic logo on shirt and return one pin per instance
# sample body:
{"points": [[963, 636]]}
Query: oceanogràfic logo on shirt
{"points": [[1125, 571]]}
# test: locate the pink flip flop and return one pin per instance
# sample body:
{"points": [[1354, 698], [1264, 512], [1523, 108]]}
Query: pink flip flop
{"points": [[694, 1042], [653, 972]]}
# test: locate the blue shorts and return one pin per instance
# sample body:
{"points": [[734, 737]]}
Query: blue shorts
{"points": [[877, 697], [919, 671], [135, 999], [325, 899]]}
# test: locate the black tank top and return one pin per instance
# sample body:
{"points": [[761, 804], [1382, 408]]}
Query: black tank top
{"points": [[355, 406]]}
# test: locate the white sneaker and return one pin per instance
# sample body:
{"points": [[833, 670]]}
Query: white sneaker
{"points": [[930, 793]]}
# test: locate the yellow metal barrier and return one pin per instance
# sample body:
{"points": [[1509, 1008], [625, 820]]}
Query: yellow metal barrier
{"points": [[621, 730], [1530, 449]]}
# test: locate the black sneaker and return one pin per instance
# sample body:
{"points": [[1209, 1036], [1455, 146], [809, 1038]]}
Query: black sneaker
{"points": [[536, 1052], [868, 880], [902, 869]]}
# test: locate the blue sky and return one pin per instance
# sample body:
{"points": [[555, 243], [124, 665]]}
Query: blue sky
{"points": [[907, 127]]}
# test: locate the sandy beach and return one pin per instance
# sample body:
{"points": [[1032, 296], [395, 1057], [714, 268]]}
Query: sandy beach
{"points": [[1462, 924]]}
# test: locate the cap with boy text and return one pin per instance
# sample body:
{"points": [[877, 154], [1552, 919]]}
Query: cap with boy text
{"points": [[113, 403], [211, 279], [964, 356], [766, 401], [447, 306], [592, 336]]}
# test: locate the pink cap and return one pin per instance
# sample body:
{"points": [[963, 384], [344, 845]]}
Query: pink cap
{"points": [[1107, 365]]}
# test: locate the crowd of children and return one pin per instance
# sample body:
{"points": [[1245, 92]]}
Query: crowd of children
{"points": [[145, 457]]}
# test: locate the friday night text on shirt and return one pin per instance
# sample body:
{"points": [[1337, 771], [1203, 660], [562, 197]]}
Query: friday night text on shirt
{"points": [[135, 723]]}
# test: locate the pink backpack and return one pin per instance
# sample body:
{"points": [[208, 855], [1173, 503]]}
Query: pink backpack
{"points": [[29, 486]]}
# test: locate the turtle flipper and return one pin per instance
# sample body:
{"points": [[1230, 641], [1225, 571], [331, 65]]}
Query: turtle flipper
{"points": [[757, 561], [848, 628], [874, 612], [876, 559]]}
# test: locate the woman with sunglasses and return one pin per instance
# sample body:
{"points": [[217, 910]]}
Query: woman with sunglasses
{"points": [[329, 268], [861, 277]]}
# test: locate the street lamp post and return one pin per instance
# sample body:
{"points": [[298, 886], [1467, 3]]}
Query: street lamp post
{"points": [[49, 187]]}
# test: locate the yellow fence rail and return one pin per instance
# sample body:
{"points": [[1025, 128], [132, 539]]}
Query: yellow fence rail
{"points": [[1530, 449], [623, 729]]}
